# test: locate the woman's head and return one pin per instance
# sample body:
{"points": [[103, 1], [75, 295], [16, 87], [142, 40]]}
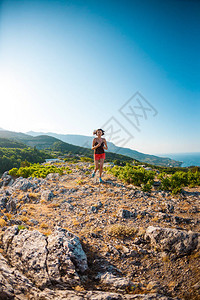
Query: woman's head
{"points": [[99, 131]]}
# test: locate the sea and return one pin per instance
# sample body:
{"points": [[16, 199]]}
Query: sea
{"points": [[187, 159]]}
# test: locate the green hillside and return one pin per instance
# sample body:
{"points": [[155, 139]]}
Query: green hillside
{"points": [[6, 143], [45, 142], [80, 140]]}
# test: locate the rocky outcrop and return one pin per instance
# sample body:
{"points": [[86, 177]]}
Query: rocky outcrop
{"points": [[158, 261], [170, 240], [6, 180], [23, 184], [13, 283], [8, 203], [57, 258], [36, 263]]}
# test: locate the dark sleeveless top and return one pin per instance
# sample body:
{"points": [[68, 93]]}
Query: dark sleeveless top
{"points": [[100, 149]]}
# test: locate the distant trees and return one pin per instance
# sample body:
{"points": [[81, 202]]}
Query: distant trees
{"points": [[16, 157]]}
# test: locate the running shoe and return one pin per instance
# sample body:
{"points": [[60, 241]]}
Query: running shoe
{"points": [[100, 180], [93, 174]]}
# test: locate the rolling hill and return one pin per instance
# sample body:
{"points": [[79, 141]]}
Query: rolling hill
{"points": [[86, 141], [46, 142]]}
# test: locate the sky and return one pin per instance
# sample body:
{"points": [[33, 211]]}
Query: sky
{"points": [[129, 67]]}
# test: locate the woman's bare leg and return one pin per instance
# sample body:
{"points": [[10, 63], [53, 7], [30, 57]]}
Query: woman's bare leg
{"points": [[101, 166], [96, 162]]}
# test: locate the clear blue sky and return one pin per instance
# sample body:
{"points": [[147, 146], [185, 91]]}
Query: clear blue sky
{"points": [[68, 67]]}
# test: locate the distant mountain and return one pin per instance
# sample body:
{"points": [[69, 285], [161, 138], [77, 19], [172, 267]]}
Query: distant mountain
{"points": [[13, 135], [86, 141], [46, 142], [80, 144]]}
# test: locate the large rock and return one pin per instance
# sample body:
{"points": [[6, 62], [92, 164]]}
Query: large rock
{"points": [[23, 184], [65, 256], [27, 251], [172, 240], [57, 258], [14, 285]]}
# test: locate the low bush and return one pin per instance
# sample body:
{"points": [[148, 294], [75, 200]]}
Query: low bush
{"points": [[133, 174], [37, 170]]}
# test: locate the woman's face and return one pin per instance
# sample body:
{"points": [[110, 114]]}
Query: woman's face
{"points": [[99, 132]]}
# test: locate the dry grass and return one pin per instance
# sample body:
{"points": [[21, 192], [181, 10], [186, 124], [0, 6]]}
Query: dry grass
{"points": [[24, 219], [2, 222], [33, 195], [53, 205], [31, 207], [75, 222], [118, 230], [195, 255], [47, 232], [79, 288], [8, 215], [20, 196], [165, 258], [43, 201], [44, 225]]}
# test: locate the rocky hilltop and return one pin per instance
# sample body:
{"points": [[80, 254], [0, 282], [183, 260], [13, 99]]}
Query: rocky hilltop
{"points": [[69, 237]]}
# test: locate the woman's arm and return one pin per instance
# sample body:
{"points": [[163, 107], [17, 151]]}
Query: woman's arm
{"points": [[106, 146], [93, 146]]}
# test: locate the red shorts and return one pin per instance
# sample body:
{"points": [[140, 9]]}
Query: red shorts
{"points": [[99, 156]]}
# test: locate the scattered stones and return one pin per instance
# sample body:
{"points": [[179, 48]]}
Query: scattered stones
{"points": [[11, 205], [3, 201], [196, 286], [179, 220], [47, 195], [170, 208], [123, 213], [114, 281], [54, 265], [4, 175], [53, 176], [33, 222]]}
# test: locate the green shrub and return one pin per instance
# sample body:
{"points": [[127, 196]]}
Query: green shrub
{"points": [[13, 172], [37, 170], [133, 174], [173, 182], [86, 159], [21, 227], [147, 186], [178, 180]]}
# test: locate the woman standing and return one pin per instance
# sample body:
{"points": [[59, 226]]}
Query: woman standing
{"points": [[98, 145]]}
